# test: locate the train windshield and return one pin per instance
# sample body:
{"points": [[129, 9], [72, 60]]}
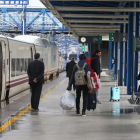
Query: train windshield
{"points": [[73, 55]]}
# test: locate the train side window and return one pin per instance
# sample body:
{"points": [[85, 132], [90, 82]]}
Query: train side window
{"points": [[29, 60], [17, 67], [26, 64], [22, 67], [41, 59], [13, 67]]}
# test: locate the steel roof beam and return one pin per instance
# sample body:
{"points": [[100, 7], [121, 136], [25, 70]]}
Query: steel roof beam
{"points": [[107, 31], [94, 16], [93, 29], [97, 0], [93, 34], [95, 21], [98, 9], [89, 26], [57, 15]]}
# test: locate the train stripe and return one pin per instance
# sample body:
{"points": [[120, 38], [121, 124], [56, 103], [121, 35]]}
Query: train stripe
{"points": [[20, 82], [45, 73]]}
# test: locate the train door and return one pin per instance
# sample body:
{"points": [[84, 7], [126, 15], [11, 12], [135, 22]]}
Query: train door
{"points": [[32, 53], [4, 72], [0, 70]]}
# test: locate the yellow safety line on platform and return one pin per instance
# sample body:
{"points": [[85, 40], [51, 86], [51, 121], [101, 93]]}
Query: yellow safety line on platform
{"points": [[26, 109]]}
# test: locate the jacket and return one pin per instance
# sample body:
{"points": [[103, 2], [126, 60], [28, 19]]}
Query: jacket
{"points": [[95, 64], [36, 70], [69, 68], [80, 63]]}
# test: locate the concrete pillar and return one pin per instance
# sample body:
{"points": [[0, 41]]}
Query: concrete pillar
{"points": [[130, 43], [136, 52]]}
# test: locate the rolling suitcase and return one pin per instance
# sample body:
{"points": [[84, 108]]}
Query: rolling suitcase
{"points": [[91, 101], [114, 93]]}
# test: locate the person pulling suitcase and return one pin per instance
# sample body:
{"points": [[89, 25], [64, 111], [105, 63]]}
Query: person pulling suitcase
{"points": [[95, 65]]}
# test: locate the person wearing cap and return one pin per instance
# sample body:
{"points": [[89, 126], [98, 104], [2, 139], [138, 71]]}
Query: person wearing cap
{"points": [[69, 68], [36, 80], [95, 65]]}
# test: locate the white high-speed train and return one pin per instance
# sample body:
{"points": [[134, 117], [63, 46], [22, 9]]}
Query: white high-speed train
{"points": [[15, 55]]}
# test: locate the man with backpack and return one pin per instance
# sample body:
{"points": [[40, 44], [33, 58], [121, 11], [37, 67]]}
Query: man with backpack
{"points": [[79, 74], [95, 65]]}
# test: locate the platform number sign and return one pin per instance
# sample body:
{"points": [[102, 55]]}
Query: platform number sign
{"points": [[118, 37], [123, 37]]}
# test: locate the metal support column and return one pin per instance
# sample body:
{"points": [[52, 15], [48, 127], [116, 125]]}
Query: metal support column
{"points": [[43, 20], [65, 49], [125, 63], [112, 49], [116, 55], [130, 43], [113, 52], [121, 58], [136, 53], [110, 55], [24, 20], [3, 20], [78, 53]]}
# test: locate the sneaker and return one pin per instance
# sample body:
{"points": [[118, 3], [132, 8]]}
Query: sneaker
{"points": [[98, 102], [78, 113], [32, 109], [83, 113]]}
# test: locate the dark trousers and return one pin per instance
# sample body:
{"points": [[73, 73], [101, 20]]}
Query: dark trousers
{"points": [[79, 89], [73, 83], [36, 92]]}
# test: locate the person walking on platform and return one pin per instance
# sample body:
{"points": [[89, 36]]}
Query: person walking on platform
{"points": [[36, 80], [95, 65], [79, 73], [69, 69]]}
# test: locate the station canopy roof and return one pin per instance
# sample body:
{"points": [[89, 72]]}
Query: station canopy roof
{"points": [[91, 17]]}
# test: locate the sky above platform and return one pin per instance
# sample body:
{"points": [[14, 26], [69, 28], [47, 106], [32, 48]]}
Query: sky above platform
{"points": [[35, 3], [32, 3]]}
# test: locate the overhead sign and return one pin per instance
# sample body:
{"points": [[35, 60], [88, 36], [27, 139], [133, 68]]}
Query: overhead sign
{"points": [[83, 48], [100, 40], [86, 48], [114, 37], [137, 43], [118, 37], [123, 37], [90, 39]]}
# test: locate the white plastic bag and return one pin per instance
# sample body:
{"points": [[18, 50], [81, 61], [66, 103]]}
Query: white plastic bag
{"points": [[67, 101]]}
